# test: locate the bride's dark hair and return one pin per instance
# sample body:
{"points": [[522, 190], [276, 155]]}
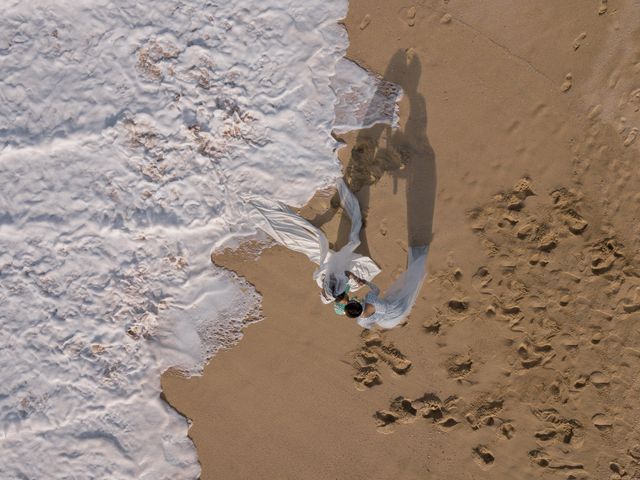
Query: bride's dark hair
{"points": [[353, 309], [341, 297]]}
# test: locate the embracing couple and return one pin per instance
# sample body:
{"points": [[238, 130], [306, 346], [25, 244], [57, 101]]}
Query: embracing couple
{"points": [[341, 272]]}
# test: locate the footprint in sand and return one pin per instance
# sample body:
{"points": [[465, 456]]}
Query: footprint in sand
{"points": [[578, 41], [527, 230], [580, 382], [602, 264], [603, 255], [490, 311], [484, 412], [429, 406], [596, 338], [459, 366], [564, 300], [458, 305], [631, 137], [534, 355], [540, 457], [523, 188], [365, 21], [483, 456], [481, 279], [595, 112], [630, 302], [367, 375], [569, 342], [548, 242], [634, 452], [457, 274], [411, 16], [400, 411], [558, 428], [394, 358], [599, 380], [601, 421], [507, 430], [566, 202], [618, 469], [567, 84], [369, 356], [603, 7], [432, 326], [575, 223], [383, 227]]}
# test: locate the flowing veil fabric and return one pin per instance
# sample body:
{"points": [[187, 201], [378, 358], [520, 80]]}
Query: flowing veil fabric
{"points": [[296, 233], [401, 295]]}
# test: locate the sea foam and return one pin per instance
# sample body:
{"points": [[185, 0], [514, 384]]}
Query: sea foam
{"points": [[129, 133]]}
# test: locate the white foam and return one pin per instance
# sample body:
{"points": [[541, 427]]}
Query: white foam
{"points": [[363, 99], [129, 131]]}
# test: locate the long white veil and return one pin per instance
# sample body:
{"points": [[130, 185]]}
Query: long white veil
{"points": [[402, 293], [296, 233]]}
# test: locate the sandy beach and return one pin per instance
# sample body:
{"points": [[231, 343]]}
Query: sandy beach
{"points": [[517, 159]]}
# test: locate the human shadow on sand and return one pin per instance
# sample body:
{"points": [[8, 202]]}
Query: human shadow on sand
{"points": [[402, 153]]}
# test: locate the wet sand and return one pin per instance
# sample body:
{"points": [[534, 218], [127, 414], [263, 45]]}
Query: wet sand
{"points": [[517, 157]]}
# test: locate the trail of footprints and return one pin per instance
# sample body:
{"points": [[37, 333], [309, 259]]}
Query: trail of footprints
{"points": [[547, 259], [539, 266], [429, 406], [374, 351], [446, 413]]}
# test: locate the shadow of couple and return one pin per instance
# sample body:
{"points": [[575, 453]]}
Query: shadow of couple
{"points": [[402, 153]]}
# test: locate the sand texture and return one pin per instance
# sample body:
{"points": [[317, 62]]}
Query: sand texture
{"points": [[517, 156]]}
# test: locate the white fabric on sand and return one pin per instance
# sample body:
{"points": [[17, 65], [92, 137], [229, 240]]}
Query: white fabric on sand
{"points": [[296, 233], [400, 296]]}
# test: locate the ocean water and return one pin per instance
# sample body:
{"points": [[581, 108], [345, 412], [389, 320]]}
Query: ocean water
{"points": [[130, 131]]}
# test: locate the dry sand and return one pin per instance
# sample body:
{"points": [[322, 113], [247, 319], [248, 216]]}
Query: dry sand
{"points": [[521, 358]]}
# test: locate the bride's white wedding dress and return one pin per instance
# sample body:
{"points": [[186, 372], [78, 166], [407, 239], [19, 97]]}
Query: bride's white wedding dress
{"points": [[296, 233]]}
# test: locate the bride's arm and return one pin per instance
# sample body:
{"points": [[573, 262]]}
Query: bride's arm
{"points": [[360, 282]]}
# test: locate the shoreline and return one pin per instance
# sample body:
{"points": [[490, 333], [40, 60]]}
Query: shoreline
{"points": [[520, 349]]}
